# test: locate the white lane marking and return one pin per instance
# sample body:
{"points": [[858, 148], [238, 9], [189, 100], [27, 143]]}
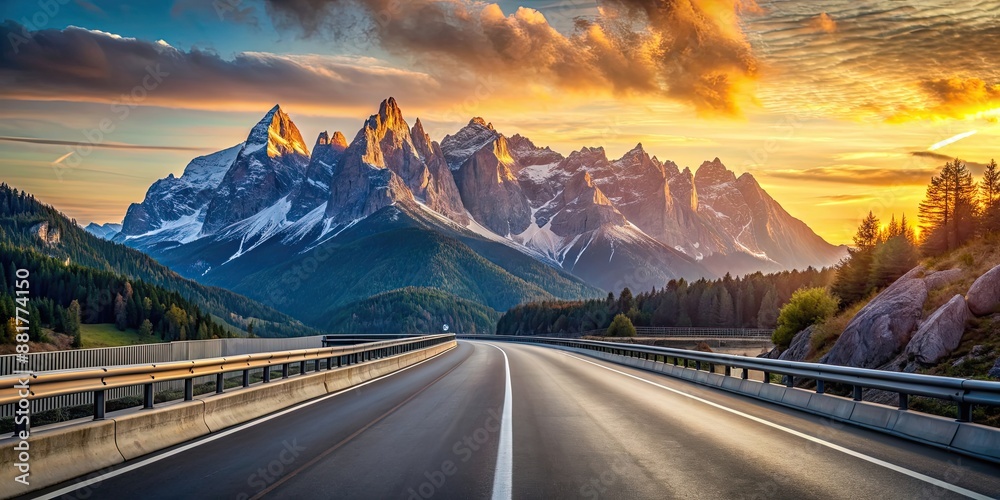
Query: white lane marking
{"points": [[503, 478], [856, 454], [213, 437]]}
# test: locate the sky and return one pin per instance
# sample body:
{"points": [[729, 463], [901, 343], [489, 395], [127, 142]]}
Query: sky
{"points": [[836, 107]]}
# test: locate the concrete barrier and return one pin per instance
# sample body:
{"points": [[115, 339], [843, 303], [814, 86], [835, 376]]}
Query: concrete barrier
{"points": [[60, 454], [138, 431], [228, 409], [73, 449]]}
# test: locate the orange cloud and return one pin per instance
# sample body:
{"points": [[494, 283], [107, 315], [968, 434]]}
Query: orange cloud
{"points": [[691, 51], [824, 23], [955, 97]]}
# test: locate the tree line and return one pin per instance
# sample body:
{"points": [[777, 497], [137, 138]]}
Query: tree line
{"points": [[751, 301]]}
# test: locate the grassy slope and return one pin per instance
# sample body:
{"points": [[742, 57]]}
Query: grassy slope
{"points": [[107, 335]]}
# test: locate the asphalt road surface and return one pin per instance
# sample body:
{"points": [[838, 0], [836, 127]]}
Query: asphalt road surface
{"points": [[517, 421]]}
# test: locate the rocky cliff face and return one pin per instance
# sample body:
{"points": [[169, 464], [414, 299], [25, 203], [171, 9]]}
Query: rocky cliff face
{"points": [[491, 192], [175, 207], [270, 166], [315, 190]]}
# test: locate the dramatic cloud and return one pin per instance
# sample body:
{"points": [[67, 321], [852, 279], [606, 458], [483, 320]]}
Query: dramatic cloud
{"points": [[692, 51], [76, 64]]}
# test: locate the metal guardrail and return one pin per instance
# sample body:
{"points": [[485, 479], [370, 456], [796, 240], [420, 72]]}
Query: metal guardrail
{"points": [[668, 332], [15, 388], [964, 392]]}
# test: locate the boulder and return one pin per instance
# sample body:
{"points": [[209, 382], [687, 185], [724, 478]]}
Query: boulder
{"points": [[940, 334], [984, 295], [995, 371], [800, 346], [939, 279], [883, 327]]}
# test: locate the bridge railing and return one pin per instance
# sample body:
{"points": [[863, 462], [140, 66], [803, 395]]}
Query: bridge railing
{"points": [[965, 393], [672, 332], [98, 381]]}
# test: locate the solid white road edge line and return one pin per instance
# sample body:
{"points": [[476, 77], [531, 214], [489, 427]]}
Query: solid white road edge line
{"points": [[213, 437], [503, 477], [862, 456]]}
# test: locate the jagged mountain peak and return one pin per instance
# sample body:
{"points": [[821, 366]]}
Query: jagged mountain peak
{"points": [[337, 141], [461, 145], [713, 173], [277, 133], [479, 121]]}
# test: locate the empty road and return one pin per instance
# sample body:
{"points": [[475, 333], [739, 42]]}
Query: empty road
{"points": [[518, 421]]}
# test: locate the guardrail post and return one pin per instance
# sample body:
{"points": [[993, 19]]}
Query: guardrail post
{"points": [[904, 401], [789, 381], [188, 389], [99, 405], [729, 371], [147, 396], [246, 378], [697, 365], [302, 367], [220, 383], [820, 387], [284, 370], [316, 364], [267, 374], [767, 377], [858, 390], [745, 374], [329, 363], [965, 412]]}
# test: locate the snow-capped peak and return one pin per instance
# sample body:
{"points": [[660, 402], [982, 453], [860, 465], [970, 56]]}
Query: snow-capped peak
{"points": [[276, 132]]}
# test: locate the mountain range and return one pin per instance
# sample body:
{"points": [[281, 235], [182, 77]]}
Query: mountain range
{"points": [[482, 216]]}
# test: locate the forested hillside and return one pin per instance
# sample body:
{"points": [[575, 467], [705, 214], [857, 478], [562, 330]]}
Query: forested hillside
{"points": [[751, 301], [414, 310], [29, 225], [61, 297]]}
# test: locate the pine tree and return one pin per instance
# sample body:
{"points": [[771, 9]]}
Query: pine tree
{"points": [[948, 212], [72, 324]]}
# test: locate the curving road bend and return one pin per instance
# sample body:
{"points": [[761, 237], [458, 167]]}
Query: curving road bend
{"points": [[517, 421]]}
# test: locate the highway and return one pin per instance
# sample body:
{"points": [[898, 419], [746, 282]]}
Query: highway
{"points": [[518, 421]]}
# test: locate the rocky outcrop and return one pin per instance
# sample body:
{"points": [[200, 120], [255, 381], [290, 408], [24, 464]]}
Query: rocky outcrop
{"points": [[984, 295], [316, 189], [491, 192], [49, 235], [582, 208], [939, 334], [939, 279], [800, 346], [995, 371], [883, 327]]}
